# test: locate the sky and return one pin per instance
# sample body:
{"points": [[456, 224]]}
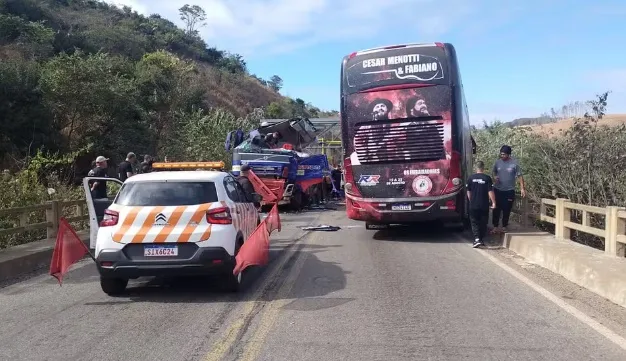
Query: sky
{"points": [[517, 58]]}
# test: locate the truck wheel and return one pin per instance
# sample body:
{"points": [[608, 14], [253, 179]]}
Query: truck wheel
{"points": [[113, 286], [296, 201]]}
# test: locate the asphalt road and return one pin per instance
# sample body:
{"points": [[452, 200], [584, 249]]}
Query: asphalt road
{"points": [[403, 294]]}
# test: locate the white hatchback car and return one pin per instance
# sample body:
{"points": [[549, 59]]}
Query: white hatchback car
{"points": [[170, 223]]}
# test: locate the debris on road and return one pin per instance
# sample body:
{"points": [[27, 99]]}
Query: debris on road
{"points": [[323, 227]]}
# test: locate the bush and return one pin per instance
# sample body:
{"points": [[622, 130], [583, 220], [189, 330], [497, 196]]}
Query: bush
{"points": [[585, 164]]}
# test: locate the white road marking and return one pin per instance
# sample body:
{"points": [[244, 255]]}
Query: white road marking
{"points": [[595, 325]]}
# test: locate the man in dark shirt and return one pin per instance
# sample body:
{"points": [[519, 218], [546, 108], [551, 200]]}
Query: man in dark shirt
{"points": [[125, 169], [146, 165], [479, 191], [335, 175], [99, 188], [245, 183]]}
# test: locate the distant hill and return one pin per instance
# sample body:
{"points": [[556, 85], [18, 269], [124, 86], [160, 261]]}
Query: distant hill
{"points": [[531, 121], [562, 125], [83, 73]]}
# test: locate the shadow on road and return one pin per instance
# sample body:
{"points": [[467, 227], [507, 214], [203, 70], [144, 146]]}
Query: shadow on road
{"points": [[431, 232], [320, 277]]}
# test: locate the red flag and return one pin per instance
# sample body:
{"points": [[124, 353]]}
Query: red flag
{"points": [[261, 188], [273, 220], [255, 251], [69, 249]]}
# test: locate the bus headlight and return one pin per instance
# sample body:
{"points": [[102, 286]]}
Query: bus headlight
{"points": [[456, 181], [348, 187]]}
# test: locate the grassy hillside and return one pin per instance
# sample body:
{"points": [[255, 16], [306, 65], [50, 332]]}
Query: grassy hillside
{"points": [[557, 128], [81, 78], [84, 77]]}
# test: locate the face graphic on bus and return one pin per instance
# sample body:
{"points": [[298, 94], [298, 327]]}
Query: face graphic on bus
{"points": [[417, 107], [380, 109]]}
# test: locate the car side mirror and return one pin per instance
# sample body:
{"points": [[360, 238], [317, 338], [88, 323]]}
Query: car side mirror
{"points": [[257, 198]]}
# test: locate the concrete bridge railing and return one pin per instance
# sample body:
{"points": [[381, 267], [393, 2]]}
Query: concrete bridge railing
{"points": [[608, 223], [42, 217]]}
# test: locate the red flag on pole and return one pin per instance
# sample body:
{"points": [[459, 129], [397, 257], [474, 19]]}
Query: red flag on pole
{"points": [[255, 250], [273, 220], [262, 189], [69, 249]]}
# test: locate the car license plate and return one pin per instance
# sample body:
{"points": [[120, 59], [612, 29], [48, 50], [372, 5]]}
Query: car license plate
{"points": [[160, 251], [401, 207]]}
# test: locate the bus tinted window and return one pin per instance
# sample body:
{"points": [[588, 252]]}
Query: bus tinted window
{"points": [[409, 65]]}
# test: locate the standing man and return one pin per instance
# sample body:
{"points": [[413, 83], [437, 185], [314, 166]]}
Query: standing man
{"points": [[99, 188], [479, 191], [335, 175], [125, 169], [246, 184], [146, 165], [505, 171]]}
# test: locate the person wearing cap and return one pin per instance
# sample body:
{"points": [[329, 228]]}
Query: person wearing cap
{"points": [[99, 188], [505, 171], [125, 169], [246, 184]]}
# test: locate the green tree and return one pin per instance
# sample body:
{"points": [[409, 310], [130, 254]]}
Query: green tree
{"points": [[275, 110], [25, 122], [193, 16], [166, 87], [234, 63], [93, 98], [275, 83]]}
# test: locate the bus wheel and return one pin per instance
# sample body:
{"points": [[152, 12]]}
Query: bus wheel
{"points": [[461, 226]]}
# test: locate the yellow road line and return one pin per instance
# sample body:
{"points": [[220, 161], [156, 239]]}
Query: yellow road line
{"points": [[253, 347], [229, 337]]}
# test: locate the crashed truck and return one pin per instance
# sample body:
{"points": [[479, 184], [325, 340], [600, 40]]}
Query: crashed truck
{"points": [[294, 177]]}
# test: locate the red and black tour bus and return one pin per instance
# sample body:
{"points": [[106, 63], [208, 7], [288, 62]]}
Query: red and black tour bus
{"points": [[406, 135]]}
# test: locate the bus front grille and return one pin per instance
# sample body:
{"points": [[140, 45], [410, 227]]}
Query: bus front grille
{"points": [[407, 141]]}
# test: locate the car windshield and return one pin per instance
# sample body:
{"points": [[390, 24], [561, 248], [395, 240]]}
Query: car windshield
{"points": [[162, 193]]}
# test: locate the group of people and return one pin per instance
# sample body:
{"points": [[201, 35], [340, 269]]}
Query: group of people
{"points": [[126, 169], [500, 191]]}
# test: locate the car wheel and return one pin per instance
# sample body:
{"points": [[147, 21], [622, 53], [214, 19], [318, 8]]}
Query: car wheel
{"points": [[113, 286], [233, 283]]}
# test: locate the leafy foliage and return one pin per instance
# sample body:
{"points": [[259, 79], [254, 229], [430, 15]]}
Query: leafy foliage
{"points": [[585, 164], [287, 108], [81, 78]]}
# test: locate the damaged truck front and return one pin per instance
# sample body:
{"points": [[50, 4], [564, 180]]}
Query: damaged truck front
{"points": [[275, 154]]}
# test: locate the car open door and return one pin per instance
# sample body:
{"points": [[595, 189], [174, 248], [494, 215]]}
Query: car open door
{"points": [[97, 207]]}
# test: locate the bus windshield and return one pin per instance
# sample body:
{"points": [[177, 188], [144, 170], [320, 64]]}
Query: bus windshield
{"points": [[388, 67]]}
